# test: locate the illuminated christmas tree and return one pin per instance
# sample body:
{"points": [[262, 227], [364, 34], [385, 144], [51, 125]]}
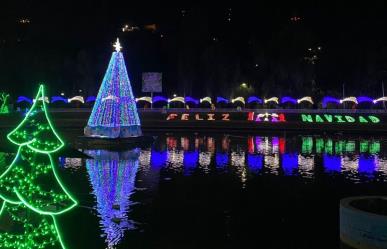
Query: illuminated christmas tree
{"points": [[31, 191], [114, 113]]}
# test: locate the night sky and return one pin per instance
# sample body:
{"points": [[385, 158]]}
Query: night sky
{"points": [[277, 49]]}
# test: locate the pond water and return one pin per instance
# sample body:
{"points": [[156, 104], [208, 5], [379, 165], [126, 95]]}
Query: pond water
{"points": [[220, 191]]}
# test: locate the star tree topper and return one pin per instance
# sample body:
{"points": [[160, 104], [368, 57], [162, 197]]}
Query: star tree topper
{"points": [[117, 45]]}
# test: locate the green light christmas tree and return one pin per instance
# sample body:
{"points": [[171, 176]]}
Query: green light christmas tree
{"points": [[30, 189], [4, 103]]}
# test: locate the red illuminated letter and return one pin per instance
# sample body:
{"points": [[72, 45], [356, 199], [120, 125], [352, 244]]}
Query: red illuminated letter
{"points": [[197, 117], [226, 116], [250, 116], [210, 116], [172, 116]]}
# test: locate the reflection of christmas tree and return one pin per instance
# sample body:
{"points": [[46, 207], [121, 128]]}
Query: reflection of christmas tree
{"points": [[31, 191], [112, 176], [114, 113]]}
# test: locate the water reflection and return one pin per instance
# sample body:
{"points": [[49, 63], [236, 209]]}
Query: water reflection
{"points": [[112, 176], [300, 156], [356, 159], [239, 159]]}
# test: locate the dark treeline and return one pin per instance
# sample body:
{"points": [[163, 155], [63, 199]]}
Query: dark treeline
{"points": [[199, 50]]}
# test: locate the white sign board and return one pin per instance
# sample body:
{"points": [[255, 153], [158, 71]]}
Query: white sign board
{"points": [[152, 82]]}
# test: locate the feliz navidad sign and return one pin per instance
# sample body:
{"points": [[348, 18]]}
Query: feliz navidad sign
{"points": [[274, 117]]}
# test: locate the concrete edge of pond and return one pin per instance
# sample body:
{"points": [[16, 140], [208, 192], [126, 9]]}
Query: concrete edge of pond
{"points": [[362, 229]]}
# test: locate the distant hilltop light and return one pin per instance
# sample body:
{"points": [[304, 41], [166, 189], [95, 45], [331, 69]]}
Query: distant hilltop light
{"points": [[295, 18], [24, 20], [244, 85], [129, 28], [151, 27]]}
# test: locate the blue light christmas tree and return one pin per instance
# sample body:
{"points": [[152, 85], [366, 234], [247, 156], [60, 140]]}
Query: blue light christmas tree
{"points": [[114, 113]]}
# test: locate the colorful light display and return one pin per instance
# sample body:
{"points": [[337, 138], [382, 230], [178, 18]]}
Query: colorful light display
{"points": [[30, 188], [252, 99], [114, 113]]}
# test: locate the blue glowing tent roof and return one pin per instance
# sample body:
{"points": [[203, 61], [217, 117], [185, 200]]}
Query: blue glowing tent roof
{"points": [[254, 99], [288, 100], [221, 100]]}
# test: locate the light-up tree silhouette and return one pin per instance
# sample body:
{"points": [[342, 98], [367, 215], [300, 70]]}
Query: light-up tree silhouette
{"points": [[31, 191], [114, 113], [112, 176], [4, 102]]}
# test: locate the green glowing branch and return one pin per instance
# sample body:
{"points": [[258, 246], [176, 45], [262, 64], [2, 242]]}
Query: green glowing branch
{"points": [[36, 130]]}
